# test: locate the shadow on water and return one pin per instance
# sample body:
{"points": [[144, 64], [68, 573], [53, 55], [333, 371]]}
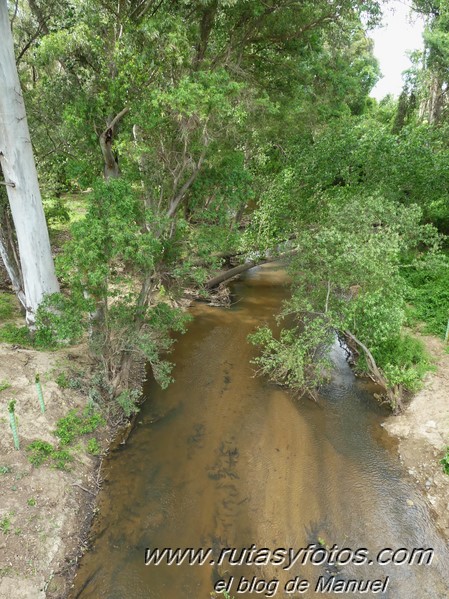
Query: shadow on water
{"points": [[225, 459]]}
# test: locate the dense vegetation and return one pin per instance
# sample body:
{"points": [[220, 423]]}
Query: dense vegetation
{"points": [[171, 136]]}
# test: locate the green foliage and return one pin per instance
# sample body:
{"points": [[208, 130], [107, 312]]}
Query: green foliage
{"points": [[15, 335], [298, 359], [222, 111], [5, 524], [65, 381], [428, 292], [76, 424], [31, 502], [43, 339], [404, 361], [109, 251], [93, 447], [41, 452], [347, 277], [5, 469], [445, 462], [128, 402], [4, 385], [58, 322], [56, 212], [61, 459]]}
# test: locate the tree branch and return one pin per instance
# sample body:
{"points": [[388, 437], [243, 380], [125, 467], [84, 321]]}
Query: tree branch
{"points": [[116, 119]]}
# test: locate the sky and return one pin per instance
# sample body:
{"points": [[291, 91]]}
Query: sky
{"points": [[399, 34]]}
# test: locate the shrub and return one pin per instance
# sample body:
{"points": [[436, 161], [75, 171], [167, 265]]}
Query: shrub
{"points": [[93, 447], [428, 292], [62, 380], [39, 452], [75, 424], [404, 360], [127, 400], [61, 458], [42, 451]]}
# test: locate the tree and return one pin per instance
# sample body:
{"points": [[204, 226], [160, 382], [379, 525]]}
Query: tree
{"points": [[353, 205], [36, 276], [177, 104]]}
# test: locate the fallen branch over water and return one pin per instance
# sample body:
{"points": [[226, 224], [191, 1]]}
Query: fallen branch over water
{"points": [[237, 270]]}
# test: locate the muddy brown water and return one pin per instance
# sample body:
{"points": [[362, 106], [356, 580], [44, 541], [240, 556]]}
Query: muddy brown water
{"points": [[225, 459]]}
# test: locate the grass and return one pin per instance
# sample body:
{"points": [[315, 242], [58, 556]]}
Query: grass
{"points": [[20, 335], [8, 306], [15, 335]]}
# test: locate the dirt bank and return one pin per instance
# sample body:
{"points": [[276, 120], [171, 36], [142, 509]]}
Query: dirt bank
{"points": [[44, 512], [423, 433]]}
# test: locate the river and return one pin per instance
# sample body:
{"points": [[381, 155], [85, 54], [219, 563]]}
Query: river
{"points": [[223, 458]]}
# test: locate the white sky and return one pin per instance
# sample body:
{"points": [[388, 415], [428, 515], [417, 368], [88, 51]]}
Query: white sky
{"points": [[400, 33]]}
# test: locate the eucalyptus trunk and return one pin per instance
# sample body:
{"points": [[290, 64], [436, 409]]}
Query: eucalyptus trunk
{"points": [[19, 170]]}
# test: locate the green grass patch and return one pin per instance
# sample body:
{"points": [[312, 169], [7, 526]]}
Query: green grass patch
{"points": [[15, 335], [8, 306], [43, 339]]}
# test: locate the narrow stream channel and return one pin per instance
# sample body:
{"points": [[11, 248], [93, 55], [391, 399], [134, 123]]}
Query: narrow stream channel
{"points": [[225, 459]]}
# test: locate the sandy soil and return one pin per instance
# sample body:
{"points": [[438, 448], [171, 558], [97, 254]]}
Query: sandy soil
{"points": [[44, 512], [423, 433]]}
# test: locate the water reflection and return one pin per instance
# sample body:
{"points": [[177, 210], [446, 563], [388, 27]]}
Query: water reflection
{"points": [[225, 459]]}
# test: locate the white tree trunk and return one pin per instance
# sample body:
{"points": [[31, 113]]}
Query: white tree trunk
{"points": [[19, 170]]}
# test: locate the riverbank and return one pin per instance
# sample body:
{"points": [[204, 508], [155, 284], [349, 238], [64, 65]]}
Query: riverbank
{"points": [[423, 434], [45, 513]]}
